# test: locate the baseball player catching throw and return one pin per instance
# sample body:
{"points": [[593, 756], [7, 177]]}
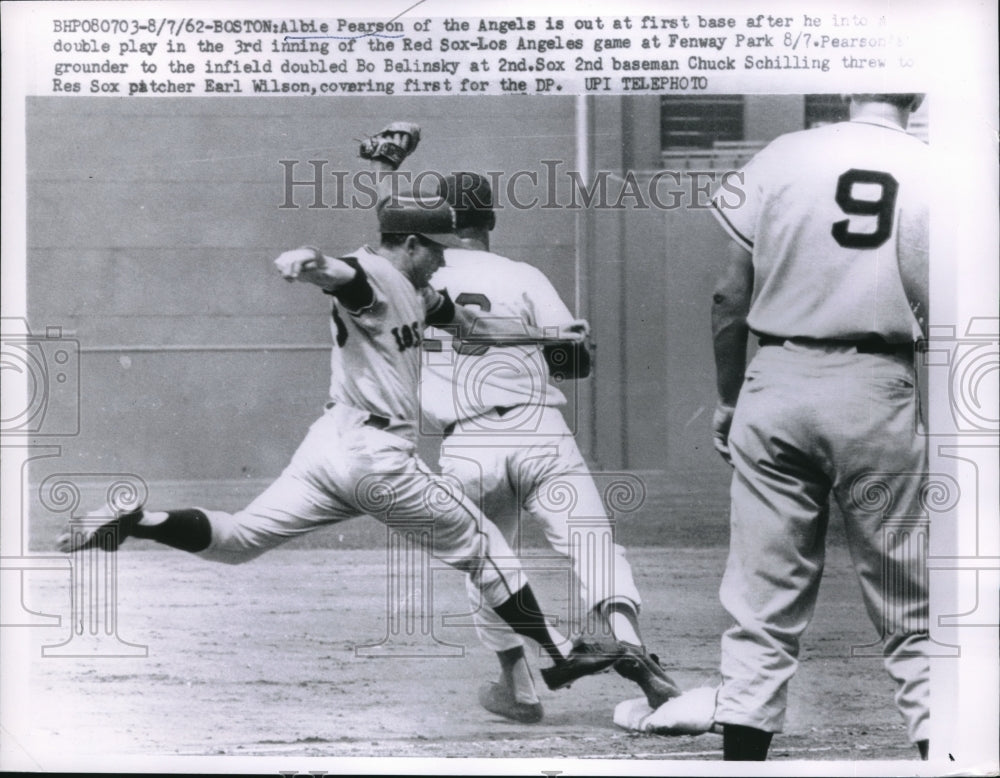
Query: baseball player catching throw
{"points": [[834, 219], [359, 457], [506, 442]]}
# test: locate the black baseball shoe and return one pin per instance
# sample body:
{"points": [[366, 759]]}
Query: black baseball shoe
{"points": [[587, 657], [643, 668], [499, 698], [108, 536]]}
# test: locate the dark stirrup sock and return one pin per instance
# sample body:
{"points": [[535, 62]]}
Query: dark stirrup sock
{"points": [[524, 615], [744, 744], [188, 529]]}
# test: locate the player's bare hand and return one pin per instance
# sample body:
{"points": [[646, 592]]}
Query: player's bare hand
{"points": [[576, 330], [722, 420], [300, 262]]}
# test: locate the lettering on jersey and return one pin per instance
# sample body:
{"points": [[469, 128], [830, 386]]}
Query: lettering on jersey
{"points": [[407, 336], [883, 208]]}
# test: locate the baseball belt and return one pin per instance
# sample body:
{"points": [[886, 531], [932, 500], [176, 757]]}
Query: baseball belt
{"points": [[499, 410], [373, 420], [865, 346]]}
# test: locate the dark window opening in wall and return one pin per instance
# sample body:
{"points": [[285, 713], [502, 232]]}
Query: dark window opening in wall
{"points": [[825, 109], [700, 122]]}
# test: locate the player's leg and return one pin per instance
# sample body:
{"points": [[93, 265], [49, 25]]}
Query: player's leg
{"points": [[887, 528], [293, 504], [555, 486], [513, 695], [778, 522], [285, 509], [465, 539], [480, 469], [187, 529]]}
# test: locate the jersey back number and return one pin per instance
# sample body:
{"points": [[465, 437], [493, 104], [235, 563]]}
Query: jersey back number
{"points": [[882, 208], [483, 303]]}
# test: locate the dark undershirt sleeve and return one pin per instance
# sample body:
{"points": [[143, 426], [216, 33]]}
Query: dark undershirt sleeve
{"points": [[443, 313], [357, 294]]}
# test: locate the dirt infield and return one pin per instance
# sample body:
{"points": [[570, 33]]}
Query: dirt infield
{"points": [[263, 659]]}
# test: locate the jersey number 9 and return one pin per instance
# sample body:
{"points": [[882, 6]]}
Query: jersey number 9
{"points": [[882, 208]]}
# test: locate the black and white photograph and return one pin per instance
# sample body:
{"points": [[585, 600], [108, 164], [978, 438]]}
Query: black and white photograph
{"points": [[403, 388]]}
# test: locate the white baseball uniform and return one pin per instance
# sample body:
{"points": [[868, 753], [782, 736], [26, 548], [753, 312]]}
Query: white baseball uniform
{"points": [[506, 440], [828, 408], [359, 457]]}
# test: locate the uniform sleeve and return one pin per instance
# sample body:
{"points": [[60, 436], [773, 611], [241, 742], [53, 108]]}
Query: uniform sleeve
{"points": [[356, 295], [547, 308], [439, 309], [912, 246], [738, 201], [564, 360]]}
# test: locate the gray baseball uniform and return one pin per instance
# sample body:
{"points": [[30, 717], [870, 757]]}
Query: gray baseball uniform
{"points": [[507, 442], [827, 409], [359, 457]]}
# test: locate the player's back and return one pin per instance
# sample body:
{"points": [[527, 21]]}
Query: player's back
{"points": [[501, 286], [827, 212], [467, 381], [374, 364]]}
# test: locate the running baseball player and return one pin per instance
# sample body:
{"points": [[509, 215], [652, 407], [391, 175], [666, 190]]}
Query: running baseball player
{"points": [[827, 407], [359, 457], [506, 442]]}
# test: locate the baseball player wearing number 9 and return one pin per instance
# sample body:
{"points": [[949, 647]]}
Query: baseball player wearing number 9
{"points": [[827, 269], [359, 457], [506, 442]]}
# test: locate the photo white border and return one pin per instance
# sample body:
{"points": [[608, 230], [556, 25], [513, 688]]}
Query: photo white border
{"points": [[960, 73]]}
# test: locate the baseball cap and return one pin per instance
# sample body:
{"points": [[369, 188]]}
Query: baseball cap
{"points": [[430, 216], [471, 196]]}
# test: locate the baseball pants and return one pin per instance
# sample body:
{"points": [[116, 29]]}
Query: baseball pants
{"points": [[811, 423], [536, 468], [346, 468]]}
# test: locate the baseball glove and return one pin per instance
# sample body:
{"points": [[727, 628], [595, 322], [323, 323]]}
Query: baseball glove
{"points": [[392, 144]]}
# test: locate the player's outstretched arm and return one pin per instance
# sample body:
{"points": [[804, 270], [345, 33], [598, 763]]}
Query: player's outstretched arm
{"points": [[308, 264], [469, 326], [474, 327], [577, 330]]}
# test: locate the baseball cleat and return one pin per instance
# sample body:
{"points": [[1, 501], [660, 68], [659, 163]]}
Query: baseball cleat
{"points": [[109, 535], [499, 699], [587, 657], [643, 668]]}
